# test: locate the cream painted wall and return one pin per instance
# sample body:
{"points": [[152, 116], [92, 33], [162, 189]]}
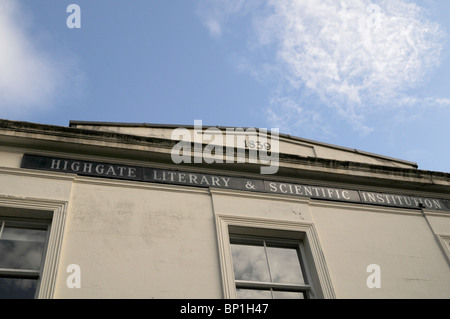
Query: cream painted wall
{"points": [[401, 242], [140, 241], [16, 183]]}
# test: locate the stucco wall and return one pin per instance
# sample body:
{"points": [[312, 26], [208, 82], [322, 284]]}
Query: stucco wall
{"points": [[401, 242], [135, 240]]}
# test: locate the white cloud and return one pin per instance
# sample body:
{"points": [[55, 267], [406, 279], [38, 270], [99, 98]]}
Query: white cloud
{"points": [[30, 78], [355, 56], [216, 14]]}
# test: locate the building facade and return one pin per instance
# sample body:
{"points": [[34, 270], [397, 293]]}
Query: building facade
{"points": [[118, 210]]}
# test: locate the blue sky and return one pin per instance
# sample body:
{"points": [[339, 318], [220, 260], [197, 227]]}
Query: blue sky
{"points": [[370, 75]]}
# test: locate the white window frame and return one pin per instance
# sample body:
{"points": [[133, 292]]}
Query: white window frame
{"points": [[304, 231], [55, 213], [306, 288]]}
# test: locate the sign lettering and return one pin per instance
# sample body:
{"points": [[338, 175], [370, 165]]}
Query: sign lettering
{"points": [[153, 175]]}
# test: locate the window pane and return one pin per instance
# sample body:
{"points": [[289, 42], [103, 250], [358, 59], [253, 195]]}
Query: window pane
{"points": [[17, 288], [250, 263], [285, 265], [288, 295], [253, 294], [23, 234], [21, 248]]}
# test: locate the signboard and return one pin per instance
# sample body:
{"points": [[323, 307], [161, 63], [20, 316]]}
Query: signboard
{"points": [[154, 175]]}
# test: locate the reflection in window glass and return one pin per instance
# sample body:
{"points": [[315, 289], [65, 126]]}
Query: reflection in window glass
{"points": [[284, 265], [11, 288], [23, 234], [20, 255], [288, 295], [22, 246], [250, 263], [253, 294], [268, 269]]}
